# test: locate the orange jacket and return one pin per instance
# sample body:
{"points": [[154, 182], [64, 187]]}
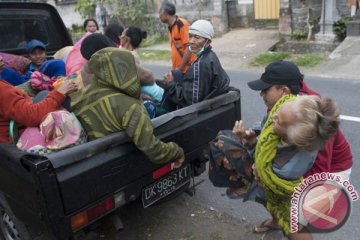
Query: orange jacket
{"points": [[179, 37]]}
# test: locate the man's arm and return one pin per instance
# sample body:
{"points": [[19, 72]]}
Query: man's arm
{"points": [[23, 111], [138, 126], [184, 32], [185, 58]]}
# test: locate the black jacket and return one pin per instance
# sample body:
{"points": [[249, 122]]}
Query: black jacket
{"points": [[203, 80]]}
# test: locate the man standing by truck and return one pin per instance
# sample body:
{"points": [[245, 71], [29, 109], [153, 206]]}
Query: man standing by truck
{"points": [[181, 56]]}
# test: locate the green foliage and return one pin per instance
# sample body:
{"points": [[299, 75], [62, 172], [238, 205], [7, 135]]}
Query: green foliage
{"points": [[299, 35], [127, 13], [269, 57], [339, 27], [77, 28], [302, 60], [309, 60], [153, 39], [86, 8]]}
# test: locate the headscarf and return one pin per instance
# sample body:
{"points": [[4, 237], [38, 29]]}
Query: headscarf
{"points": [[93, 43], [113, 31]]}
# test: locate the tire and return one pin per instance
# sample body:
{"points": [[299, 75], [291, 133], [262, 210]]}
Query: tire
{"points": [[12, 228]]}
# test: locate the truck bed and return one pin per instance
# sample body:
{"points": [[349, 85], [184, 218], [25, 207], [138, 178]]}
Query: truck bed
{"points": [[56, 187]]}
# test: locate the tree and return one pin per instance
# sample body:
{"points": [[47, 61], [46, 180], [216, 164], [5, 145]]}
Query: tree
{"points": [[127, 13], [86, 8], [130, 12]]}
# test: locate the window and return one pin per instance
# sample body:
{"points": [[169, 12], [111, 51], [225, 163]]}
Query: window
{"points": [[17, 32], [64, 2]]}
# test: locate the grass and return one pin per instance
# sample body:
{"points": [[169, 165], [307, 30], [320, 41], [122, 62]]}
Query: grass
{"points": [[269, 57], [153, 39], [309, 60], [303, 60], [146, 54]]}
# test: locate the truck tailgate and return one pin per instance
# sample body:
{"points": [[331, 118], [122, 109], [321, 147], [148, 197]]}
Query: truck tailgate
{"points": [[91, 171]]}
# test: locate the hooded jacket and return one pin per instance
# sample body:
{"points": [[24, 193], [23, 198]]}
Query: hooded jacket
{"points": [[111, 103]]}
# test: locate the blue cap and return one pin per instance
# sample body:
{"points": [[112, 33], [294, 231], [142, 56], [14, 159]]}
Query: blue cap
{"points": [[34, 44]]}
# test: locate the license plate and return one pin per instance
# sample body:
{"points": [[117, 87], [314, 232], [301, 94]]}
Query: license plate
{"points": [[165, 186]]}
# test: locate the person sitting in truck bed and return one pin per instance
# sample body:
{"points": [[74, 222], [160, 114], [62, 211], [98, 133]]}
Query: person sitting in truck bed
{"points": [[204, 79], [110, 103], [151, 93], [18, 106], [40, 73], [37, 54]]}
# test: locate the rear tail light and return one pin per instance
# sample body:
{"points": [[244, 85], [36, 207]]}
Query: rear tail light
{"points": [[162, 171], [85, 217]]}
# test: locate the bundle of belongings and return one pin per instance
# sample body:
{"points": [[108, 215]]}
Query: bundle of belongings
{"points": [[58, 130]]}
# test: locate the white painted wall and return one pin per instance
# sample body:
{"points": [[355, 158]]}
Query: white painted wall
{"points": [[68, 14]]}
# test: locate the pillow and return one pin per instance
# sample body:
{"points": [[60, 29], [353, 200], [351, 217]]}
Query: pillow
{"points": [[16, 62]]}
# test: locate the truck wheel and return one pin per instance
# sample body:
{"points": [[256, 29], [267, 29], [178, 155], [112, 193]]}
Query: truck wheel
{"points": [[12, 228]]}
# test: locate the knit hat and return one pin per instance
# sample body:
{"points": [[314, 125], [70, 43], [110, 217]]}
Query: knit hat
{"points": [[202, 28], [279, 73], [93, 43]]}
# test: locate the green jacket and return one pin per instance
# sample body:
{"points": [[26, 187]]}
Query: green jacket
{"points": [[111, 103]]}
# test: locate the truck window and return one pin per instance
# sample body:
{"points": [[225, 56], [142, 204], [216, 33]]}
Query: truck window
{"points": [[17, 32]]}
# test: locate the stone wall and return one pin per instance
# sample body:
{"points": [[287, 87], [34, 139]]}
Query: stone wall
{"points": [[303, 47], [299, 12], [343, 8], [212, 10], [240, 13]]}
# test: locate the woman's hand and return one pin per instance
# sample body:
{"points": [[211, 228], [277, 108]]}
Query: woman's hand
{"points": [[227, 164], [67, 87], [247, 136], [145, 97], [167, 78]]}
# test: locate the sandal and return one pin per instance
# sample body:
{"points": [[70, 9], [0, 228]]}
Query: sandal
{"points": [[265, 227]]}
